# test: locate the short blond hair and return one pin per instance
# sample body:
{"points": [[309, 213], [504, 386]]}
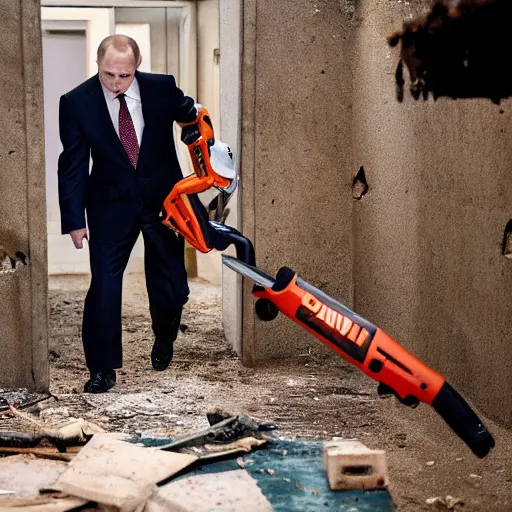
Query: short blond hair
{"points": [[121, 43]]}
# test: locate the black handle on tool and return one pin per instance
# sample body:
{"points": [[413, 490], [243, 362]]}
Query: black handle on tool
{"points": [[463, 420]]}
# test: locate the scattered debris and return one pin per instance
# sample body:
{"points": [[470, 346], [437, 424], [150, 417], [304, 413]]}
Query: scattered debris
{"points": [[249, 424], [223, 430], [117, 473], [68, 432], [20, 398], [24, 476], [192, 376], [54, 414], [243, 445], [449, 502]]}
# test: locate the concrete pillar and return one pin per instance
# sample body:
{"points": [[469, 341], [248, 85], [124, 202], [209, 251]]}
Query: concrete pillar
{"points": [[230, 14], [295, 153], [23, 292]]}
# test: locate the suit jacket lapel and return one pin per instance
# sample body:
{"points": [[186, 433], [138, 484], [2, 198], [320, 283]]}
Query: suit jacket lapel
{"points": [[104, 121]]}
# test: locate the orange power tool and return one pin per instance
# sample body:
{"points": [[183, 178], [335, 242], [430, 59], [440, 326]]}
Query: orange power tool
{"points": [[364, 345]]}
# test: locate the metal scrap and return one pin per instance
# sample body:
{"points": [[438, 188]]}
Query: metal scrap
{"points": [[69, 432]]}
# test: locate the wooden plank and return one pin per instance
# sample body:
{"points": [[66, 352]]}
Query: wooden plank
{"points": [[117, 473], [43, 504], [43, 453]]}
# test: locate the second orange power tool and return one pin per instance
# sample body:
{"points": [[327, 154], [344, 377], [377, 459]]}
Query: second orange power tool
{"points": [[366, 346]]}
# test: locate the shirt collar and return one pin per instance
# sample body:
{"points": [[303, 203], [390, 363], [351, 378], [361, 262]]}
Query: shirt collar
{"points": [[133, 91]]}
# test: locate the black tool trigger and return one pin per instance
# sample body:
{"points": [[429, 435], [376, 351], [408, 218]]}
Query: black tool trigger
{"points": [[385, 391]]}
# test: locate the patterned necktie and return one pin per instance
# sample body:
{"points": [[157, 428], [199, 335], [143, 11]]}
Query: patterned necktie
{"points": [[127, 131]]}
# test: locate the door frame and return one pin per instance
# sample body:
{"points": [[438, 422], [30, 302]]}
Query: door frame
{"points": [[90, 12]]}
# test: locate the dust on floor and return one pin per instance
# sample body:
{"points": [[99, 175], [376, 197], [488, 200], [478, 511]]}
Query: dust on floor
{"points": [[316, 395]]}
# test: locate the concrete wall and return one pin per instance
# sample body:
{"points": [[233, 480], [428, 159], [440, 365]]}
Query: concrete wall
{"points": [[23, 293], [295, 156], [420, 253], [429, 267]]}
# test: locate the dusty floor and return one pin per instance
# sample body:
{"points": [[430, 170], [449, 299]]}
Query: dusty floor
{"points": [[316, 395]]}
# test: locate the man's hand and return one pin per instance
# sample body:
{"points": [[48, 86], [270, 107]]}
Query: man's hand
{"points": [[77, 236]]}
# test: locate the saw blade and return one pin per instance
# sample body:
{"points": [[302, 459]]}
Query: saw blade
{"points": [[253, 273]]}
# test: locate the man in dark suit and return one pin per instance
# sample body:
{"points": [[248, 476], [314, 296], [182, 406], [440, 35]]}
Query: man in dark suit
{"points": [[123, 119]]}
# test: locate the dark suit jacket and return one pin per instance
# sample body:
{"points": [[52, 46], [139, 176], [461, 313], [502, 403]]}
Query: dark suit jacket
{"points": [[115, 194]]}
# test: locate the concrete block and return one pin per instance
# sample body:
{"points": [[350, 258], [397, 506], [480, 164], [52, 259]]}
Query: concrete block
{"points": [[350, 464]]}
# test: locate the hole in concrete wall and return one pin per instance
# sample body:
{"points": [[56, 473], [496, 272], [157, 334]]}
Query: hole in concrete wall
{"points": [[399, 79], [357, 470], [9, 259], [359, 184], [507, 240]]}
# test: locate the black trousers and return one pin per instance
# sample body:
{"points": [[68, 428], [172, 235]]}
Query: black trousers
{"points": [[166, 283]]}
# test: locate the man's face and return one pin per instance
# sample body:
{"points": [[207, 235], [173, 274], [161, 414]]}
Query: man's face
{"points": [[117, 70]]}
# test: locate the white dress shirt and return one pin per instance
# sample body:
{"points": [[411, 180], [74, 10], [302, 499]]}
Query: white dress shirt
{"points": [[132, 96]]}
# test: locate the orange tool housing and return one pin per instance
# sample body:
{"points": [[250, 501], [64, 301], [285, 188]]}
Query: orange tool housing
{"points": [[357, 340], [185, 214]]}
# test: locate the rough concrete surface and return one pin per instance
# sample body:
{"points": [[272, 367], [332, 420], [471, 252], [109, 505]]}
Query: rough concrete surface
{"points": [[429, 268], [230, 21], [296, 158], [307, 396], [23, 325]]}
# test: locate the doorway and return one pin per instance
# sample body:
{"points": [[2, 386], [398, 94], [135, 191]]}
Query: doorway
{"points": [[167, 36]]}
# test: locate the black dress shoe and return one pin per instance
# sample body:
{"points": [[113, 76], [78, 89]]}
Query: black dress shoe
{"points": [[101, 381], [161, 354]]}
